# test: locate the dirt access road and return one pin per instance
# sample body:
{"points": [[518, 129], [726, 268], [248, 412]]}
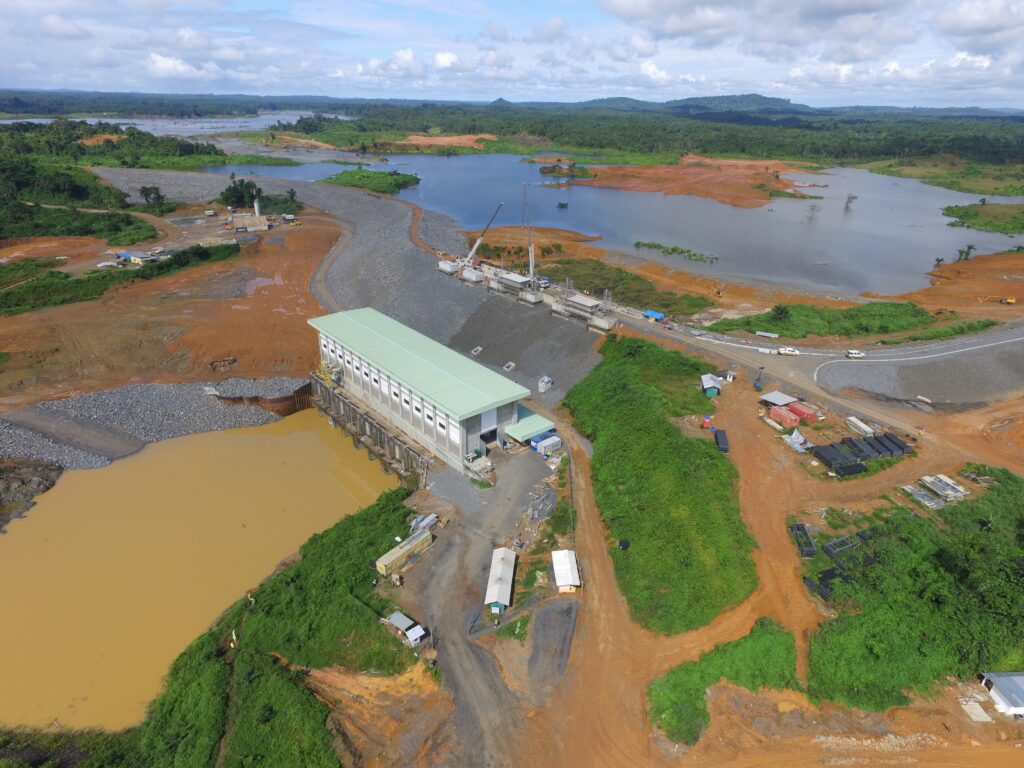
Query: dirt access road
{"points": [[599, 717]]}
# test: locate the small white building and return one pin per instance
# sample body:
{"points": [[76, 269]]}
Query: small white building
{"points": [[499, 583], [567, 570], [412, 631], [1006, 690]]}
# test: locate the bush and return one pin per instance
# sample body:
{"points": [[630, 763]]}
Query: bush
{"points": [[386, 182], [673, 497], [17, 220], [941, 600], [627, 288], [795, 321], [766, 658]]}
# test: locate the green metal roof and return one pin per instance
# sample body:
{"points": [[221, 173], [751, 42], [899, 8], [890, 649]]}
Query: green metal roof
{"points": [[458, 385], [530, 425]]}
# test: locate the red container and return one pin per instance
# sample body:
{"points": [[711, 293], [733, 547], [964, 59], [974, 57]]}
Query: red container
{"points": [[783, 416], [803, 412]]}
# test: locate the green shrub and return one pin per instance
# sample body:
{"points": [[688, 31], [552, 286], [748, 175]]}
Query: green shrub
{"points": [[627, 288], [964, 328], [17, 220], [795, 321], [673, 497], [766, 658], [386, 182], [515, 630], [941, 600]]}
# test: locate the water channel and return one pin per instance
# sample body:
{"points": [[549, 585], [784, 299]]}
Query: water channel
{"points": [[884, 239], [117, 569]]}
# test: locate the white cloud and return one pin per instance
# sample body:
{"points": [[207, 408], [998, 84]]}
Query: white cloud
{"points": [[550, 30], [445, 60], [496, 32], [55, 26], [655, 73], [171, 66]]}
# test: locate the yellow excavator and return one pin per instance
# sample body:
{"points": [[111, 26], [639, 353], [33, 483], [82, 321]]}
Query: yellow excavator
{"points": [[1000, 299]]}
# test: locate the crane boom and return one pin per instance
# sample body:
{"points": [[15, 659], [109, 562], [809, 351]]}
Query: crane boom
{"points": [[470, 259]]}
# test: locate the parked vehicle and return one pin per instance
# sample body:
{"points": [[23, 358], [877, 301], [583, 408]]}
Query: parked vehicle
{"points": [[855, 354], [788, 351]]}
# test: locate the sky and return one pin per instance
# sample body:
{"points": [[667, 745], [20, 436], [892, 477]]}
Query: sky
{"points": [[817, 52]]}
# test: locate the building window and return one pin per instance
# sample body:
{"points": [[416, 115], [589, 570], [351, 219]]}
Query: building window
{"points": [[430, 418], [405, 401], [441, 425], [417, 409], [394, 393]]}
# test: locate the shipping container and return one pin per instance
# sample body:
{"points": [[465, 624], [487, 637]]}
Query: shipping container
{"points": [[883, 449], [721, 440], [803, 412], [860, 427], [400, 555], [906, 449], [784, 416]]}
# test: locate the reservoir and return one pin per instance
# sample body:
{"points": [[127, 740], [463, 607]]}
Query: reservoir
{"points": [[885, 239], [116, 570]]}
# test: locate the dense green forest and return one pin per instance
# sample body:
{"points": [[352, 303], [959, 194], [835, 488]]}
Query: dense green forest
{"points": [[943, 599], [795, 321], [385, 182], [247, 705], [19, 220], [830, 137], [672, 497]]}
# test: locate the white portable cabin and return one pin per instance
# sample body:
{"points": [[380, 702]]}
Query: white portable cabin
{"points": [[549, 445], [860, 427], [567, 571], [1006, 690], [448, 267], [499, 581], [472, 275]]}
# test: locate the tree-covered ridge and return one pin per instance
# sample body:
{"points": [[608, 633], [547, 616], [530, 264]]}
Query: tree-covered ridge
{"points": [[831, 137]]}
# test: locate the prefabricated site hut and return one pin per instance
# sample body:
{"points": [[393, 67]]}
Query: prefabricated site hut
{"points": [[777, 398], [499, 582], [711, 384], [567, 570], [1006, 690], [445, 401]]}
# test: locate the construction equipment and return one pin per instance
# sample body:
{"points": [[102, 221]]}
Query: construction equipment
{"points": [[1000, 299], [470, 260]]}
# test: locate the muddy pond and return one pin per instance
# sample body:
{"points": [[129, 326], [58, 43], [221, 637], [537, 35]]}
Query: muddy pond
{"points": [[117, 569]]}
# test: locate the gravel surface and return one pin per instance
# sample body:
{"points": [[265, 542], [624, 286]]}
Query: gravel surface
{"points": [[146, 412], [20, 443]]}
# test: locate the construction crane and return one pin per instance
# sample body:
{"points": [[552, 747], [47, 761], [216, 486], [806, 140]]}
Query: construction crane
{"points": [[469, 260], [529, 237], [1000, 299]]}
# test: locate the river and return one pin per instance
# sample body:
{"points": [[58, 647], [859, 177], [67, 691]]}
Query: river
{"points": [[116, 570], [187, 126], [884, 240]]}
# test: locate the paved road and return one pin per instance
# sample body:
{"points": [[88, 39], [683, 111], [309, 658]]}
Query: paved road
{"points": [[967, 369]]}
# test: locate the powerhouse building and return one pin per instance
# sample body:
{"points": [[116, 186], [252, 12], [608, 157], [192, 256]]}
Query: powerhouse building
{"points": [[447, 402]]}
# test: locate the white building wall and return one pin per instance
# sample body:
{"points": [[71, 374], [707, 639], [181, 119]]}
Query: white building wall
{"points": [[431, 425]]}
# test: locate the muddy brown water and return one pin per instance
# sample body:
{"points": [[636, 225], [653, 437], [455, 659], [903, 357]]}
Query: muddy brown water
{"points": [[117, 569]]}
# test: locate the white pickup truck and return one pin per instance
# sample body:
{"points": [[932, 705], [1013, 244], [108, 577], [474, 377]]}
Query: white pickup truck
{"points": [[788, 351]]}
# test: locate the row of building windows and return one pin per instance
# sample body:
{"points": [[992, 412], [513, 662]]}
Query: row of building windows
{"points": [[431, 421]]}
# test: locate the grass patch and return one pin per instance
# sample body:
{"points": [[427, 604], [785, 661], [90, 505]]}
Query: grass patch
{"points": [[795, 321], [942, 600], [323, 610], [562, 519], [17, 220], [594, 277], [515, 630], [952, 172], [672, 496], [52, 288], [766, 658], [990, 217], [257, 160], [677, 250], [386, 182], [963, 328], [274, 719]]}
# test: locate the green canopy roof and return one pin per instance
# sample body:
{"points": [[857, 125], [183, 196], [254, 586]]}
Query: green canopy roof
{"points": [[530, 425], [457, 384]]}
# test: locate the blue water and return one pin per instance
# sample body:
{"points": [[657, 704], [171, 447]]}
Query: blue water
{"points": [[883, 241]]}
